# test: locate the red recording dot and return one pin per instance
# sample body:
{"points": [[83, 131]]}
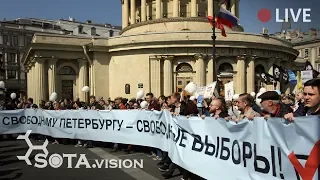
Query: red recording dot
{"points": [[264, 15]]}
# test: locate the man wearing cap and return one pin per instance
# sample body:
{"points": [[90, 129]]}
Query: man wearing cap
{"points": [[271, 106]]}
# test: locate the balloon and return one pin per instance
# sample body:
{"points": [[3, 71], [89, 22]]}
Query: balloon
{"points": [[140, 94], [191, 88], [2, 85], [144, 104], [235, 97], [13, 95], [278, 91], [85, 89], [192, 98], [253, 94], [53, 96], [262, 90]]}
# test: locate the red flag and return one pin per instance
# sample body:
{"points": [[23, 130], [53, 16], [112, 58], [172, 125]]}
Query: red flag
{"points": [[219, 25]]}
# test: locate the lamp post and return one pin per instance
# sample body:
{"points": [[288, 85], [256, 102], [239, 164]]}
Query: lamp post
{"points": [[216, 10]]}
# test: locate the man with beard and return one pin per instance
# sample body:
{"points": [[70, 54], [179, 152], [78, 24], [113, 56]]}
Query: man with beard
{"points": [[271, 105], [245, 103]]}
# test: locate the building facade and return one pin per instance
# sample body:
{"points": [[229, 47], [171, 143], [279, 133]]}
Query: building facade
{"points": [[16, 35], [164, 45]]}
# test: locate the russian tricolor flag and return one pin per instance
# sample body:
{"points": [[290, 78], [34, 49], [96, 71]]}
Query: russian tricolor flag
{"points": [[226, 18]]}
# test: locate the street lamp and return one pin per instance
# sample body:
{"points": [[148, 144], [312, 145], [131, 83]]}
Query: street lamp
{"points": [[216, 10]]}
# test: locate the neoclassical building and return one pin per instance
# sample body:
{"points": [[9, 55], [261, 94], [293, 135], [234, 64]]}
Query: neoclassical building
{"points": [[164, 44]]}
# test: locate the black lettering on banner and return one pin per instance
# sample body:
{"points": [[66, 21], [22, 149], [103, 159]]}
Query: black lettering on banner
{"points": [[62, 122], [273, 162], [139, 122], [224, 148], [208, 146], [197, 140], [152, 127], [119, 123], [257, 158], [88, 122], [108, 123], [183, 137], [178, 136], [68, 123], [238, 160], [80, 123], [245, 154], [95, 124], [23, 120], [218, 146], [74, 122], [3, 121], [41, 121], [168, 132], [54, 121], [146, 126], [158, 128], [14, 120], [164, 129], [34, 118], [28, 119], [101, 123]]}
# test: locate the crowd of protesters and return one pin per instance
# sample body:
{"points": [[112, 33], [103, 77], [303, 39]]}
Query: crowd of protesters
{"points": [[304, 103]]}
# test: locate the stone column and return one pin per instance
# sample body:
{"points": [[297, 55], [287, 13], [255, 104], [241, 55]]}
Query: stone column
{"points": [[200, 70], [233, 7], [133, 12], [158, 9], [241, 75], [155, 75], [92, 80], [194, 8], [175, 10], [29, 85], [250, 75], [40, 81], [210, 74], [143, 10], [52, 68], [83, 79], [210, 7], [237, 9], [125, 13], [314, 57], [168, 76]]}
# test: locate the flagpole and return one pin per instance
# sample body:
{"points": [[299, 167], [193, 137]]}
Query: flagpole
{"points": [[216, 10]]}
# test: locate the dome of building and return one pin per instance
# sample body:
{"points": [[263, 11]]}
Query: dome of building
{"points": [[163, 45]]}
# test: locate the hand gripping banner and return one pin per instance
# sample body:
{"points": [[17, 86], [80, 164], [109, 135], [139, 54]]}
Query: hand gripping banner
{"points": [[211, 148]]}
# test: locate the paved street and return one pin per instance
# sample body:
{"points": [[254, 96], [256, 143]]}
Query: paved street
{"points": [[12, 168]]}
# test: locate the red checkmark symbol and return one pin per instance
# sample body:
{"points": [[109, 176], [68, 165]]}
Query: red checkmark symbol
{"points": [[312, 164]]}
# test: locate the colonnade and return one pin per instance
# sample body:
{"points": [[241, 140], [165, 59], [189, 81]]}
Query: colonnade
{"points": [[129, 9], [43, 79]]}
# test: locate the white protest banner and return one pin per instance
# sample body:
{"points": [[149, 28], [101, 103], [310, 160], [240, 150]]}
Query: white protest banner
{"points": [[228, 91], [200, 91], [306, 76], [210, 89], [210, 148]]}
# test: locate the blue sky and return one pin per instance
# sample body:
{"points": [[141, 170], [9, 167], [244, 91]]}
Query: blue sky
{"points": [[109, 11]]}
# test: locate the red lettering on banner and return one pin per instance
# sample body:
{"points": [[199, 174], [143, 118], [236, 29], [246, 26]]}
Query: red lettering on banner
{"points": [[312, 163]]}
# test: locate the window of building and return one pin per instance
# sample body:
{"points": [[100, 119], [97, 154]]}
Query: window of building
{"points": [[318, 51], [306, 53], [184, 67], [12, 74], [5, 39], [15, 40], [11, 57], [21, 40], [67, 70]]}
